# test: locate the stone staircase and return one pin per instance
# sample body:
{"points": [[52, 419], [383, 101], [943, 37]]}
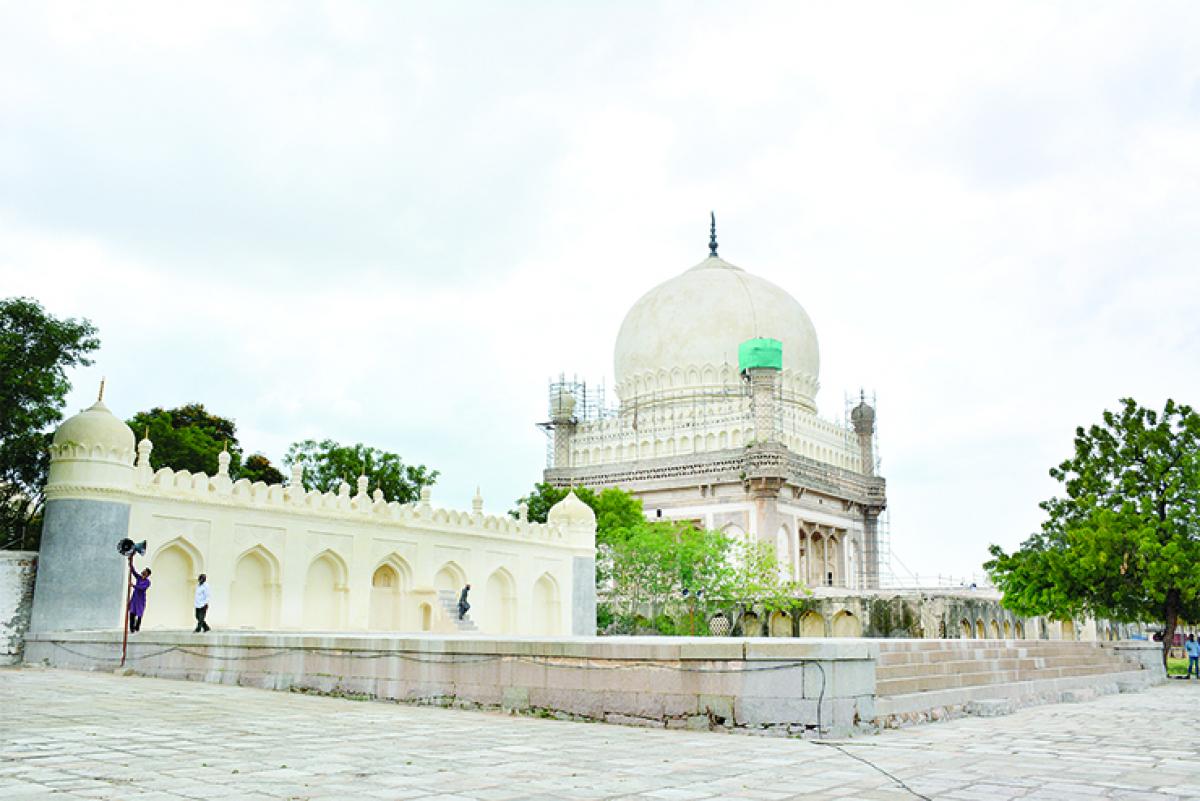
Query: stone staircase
{"points": [[919, 680], [449, 603]]}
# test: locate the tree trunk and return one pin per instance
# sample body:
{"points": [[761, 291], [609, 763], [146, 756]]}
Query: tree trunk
{"points": [[1170, 617]]}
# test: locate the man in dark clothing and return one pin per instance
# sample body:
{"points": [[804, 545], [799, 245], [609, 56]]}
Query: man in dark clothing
{"points": [[463, 606]]}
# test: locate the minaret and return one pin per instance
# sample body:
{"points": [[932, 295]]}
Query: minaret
{"points": [[761, 363], [863, 419], [562, 418]]}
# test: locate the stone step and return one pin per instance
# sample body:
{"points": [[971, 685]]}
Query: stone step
{"points": [[892, 710], [932, 656], [922, 684], [1013, 663]]}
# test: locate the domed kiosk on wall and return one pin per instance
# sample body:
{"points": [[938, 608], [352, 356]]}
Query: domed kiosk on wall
{"points": [[80, 575]]}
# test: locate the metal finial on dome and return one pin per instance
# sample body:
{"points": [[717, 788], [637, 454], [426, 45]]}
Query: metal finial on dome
{"points": [[100, 396], [712, 235]]}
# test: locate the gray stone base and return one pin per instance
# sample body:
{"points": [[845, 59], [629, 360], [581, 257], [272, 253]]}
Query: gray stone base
{"points": [[804, 687]]}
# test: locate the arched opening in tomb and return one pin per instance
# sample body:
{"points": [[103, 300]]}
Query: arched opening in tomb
{"points": [[846, 624], [252, 595], [833, 562], [1007, 630], [980, 631], [812, 625], [751, 627], [389, 583], [426, 612], [995, 630], [173, 587], [783, 552], [780, 624], [718, 625], [547, 609], [324, 588], [1067, 629], [451, 579], [965, 629], [1019, 630], [499, 604], [816, 560], [854, 578]]}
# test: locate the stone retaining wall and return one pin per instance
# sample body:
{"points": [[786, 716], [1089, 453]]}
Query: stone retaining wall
{"points": [[17, 570], [797, 687]]}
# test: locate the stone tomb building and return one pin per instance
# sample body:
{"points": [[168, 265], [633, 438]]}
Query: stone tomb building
{"points": [[281, 557], [717, 376]]}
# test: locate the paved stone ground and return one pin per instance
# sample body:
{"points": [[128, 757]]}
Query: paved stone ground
{"points": [[87, 735]]}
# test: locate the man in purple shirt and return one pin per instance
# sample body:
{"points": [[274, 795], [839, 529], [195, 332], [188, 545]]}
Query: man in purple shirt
{"points": [[137, 603]]}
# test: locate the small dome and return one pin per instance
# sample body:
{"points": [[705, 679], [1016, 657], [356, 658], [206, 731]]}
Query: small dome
{"points": [[863, 417], [681, 338], [97, 426], [571, 511]]}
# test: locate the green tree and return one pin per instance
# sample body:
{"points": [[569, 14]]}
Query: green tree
{"points": [[36, 349], [189, 438], [327, 464], [616, 510], [257, 467], [1124, 541]]}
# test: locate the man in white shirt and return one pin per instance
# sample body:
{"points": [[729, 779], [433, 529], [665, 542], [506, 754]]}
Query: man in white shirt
{"points": [[201, 604]]}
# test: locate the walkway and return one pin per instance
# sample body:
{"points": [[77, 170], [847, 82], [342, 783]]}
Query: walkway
{"points": [[86, 735]]}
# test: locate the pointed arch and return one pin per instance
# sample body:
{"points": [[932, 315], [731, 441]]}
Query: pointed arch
{"points": [[500, 603], [254, 591], [780, 624], [547, 606], [450, 578], [174, 567], [846, 624], [812, 624], [390, 582], [325, 586]]}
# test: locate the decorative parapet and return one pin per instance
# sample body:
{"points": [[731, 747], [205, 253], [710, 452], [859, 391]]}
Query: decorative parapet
{"points": [[180, 485], [734, 464]]}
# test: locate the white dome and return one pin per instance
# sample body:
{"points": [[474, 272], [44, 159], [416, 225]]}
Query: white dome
{"points": [[97, 427], [571, 511], [683, 335]]}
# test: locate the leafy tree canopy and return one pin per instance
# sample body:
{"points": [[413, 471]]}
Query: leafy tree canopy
{"points": [[36, 349], [617, 512], [257, 467], [189, 438], [1123, 542], [327, 464], [644, 566]]}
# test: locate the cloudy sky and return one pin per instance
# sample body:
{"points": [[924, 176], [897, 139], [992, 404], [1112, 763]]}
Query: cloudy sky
{"points": [[393, 223]]}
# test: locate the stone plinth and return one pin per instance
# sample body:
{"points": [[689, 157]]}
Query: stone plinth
{"points": [[796, 687]]}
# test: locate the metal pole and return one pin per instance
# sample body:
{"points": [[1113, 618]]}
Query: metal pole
{"points": [[125, 622]]}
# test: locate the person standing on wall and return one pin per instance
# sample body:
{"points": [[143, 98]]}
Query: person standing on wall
{"points": [[201, 604], [463, 606], [1192, 649], [137, 602]]}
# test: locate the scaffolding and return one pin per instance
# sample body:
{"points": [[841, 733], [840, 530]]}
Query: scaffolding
{"points": [[570, 402]]}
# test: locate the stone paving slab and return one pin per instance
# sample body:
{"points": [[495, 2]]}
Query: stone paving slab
{"points": [[69, 735]]}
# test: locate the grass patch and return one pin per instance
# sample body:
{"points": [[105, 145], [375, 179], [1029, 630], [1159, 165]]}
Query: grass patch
{"points": [[1176, 667]]}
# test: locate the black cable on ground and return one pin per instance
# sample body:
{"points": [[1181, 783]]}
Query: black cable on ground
{"points": [[899, 782]]}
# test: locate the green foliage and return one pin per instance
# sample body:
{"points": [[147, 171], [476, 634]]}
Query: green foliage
{"points": [[643, 565], [673, 566], [259, 468], [327, 464], [1124, 541], [188, 438], [616, 510], [36, 348]]}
